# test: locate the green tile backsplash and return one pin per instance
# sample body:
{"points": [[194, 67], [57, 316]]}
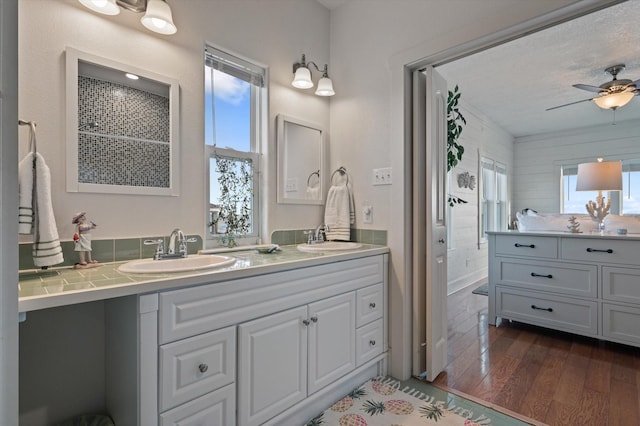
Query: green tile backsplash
{"points": [[297, 236], [104, 251]]}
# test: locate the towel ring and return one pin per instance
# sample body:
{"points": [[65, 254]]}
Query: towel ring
{"points": [[342, 171], [317, 173]]}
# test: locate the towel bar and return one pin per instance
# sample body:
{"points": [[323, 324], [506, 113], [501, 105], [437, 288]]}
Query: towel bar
{"points": [[342, 171]]}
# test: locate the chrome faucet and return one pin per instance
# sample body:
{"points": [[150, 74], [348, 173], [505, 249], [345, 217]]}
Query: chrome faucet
{"points": [[178, 238], [317, 236]]}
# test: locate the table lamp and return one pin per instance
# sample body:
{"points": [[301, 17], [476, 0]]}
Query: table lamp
{"points": [[599, 176]]}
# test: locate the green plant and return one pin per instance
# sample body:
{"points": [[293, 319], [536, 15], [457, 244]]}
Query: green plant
{"points": [[455, 120], [236, 192]]}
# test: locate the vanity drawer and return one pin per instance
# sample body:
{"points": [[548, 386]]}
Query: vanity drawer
{"points": [[369, 304], [560, 313], [527, 245], [369, 342], [193, 367], [567, 278], [601, 251], [217, 408], [621, 284], [620, 323]]}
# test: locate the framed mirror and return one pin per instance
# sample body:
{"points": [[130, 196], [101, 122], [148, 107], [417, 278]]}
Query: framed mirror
{"points": [[302, 173], [122, 128]]}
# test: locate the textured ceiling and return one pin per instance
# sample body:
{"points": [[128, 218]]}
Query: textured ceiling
{"points": [[514, 83]]}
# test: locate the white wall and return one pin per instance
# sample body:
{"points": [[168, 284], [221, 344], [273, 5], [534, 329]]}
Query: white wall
{"points": [[538, 159], [274, 33], [467, 261], [371, 42]]}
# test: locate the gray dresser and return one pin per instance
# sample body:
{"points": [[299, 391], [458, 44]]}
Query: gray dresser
{"points": [[579, 283]]}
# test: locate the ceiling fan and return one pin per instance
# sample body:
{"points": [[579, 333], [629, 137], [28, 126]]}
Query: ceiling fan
{"points": [[612, 94]]}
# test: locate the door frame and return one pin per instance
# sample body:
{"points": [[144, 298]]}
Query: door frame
{"points": [[434, 53]]}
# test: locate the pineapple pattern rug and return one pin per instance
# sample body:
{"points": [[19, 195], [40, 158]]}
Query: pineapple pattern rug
{"points": [[384, 401]]}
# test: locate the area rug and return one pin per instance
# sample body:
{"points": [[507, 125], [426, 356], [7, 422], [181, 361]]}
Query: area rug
{"points": [[384, 401], [482, 290]]}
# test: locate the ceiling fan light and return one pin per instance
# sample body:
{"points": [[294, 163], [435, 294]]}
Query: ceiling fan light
{"points": [[614, 100]]}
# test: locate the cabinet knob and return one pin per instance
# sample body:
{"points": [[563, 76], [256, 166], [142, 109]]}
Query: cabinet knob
{"points": [[306, 322], [372, 342], [372, 305], [203, 367], [441, 240], [314, 319]]}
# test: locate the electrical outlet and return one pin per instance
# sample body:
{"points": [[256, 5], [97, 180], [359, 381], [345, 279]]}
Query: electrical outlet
{"points": [[383, 176], [367, 214], [292, 185]]}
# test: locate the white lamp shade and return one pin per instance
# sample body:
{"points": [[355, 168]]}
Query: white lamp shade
{"points": [[325, 87], [106, 7], [158, 17], [302, 78], [614, 101], [601, 176]]}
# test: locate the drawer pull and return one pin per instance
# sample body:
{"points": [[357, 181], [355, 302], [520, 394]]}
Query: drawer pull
{"points": [[533, 274], [203, 367], [372, 305], [542, 309], [525, 245], [314, 319], [372, 342], [590, 250], [306, 322]]}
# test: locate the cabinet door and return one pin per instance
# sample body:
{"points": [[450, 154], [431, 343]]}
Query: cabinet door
{"points": [[332, 340], [272, 365]]}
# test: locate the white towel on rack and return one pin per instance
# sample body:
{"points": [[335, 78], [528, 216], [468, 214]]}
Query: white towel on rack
{"points": [[47, 250], [25, 201], [339, 212], [313, 193]]}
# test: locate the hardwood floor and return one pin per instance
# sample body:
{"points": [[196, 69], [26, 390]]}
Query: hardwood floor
{"points": [[552, 377]]}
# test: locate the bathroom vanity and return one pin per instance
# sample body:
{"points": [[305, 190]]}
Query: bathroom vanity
{"points": [[272, 339], [587, 284]]}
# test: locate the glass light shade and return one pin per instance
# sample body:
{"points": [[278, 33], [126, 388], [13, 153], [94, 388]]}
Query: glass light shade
{"points": [[601, 176], [106, 7], [614, 101], [325, 87], [302, 78], [158, 17]]}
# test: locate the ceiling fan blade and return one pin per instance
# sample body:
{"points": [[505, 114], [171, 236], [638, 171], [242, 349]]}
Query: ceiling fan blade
{"points": [[588, 88], [572, 103]]}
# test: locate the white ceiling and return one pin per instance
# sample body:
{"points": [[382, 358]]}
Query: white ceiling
{"points": [[514, 83]]}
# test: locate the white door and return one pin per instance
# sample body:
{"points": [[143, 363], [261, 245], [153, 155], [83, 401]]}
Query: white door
{"points": [[332, 340], [272, 365], [429, 224]]}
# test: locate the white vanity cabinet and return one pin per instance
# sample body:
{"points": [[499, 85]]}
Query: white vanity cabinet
{"points": [[264, 348], [583, 284]]}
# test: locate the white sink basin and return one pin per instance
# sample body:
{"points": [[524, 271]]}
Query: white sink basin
{"points": [[329, 246], [190, 263]]}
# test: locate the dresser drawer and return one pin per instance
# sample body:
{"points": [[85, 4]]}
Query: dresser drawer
{"points": [[560, 313], [621, 284], [217, 408], [193, 367], [620, 323], [369, 304], [527, 245], [601, 251], [369, 342], [566, 278]]}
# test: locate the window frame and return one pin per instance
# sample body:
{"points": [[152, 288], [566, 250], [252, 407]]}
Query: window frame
{"points": [[496, 168], [258, 130]]}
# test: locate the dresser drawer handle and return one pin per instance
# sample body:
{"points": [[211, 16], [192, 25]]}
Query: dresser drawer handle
{"points": [[525, 245], [542, 309], [533, 274], [590, 250], [203, 367], [372, 305]]}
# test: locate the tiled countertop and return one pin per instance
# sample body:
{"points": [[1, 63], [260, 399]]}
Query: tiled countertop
{"points": [[40, 289]]}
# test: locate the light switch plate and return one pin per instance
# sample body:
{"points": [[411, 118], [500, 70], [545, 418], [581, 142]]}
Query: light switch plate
{"points": [[367, 214]]}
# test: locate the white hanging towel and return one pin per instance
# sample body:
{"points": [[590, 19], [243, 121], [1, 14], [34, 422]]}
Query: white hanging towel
{"points": [[35, 184], [339, 213]]}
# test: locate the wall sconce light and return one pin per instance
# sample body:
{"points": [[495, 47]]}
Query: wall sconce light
{"points": [[157, 17], [302, 78]]}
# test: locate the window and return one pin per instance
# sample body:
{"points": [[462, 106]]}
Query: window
{"points": [[627, 202], [233, 115], [494, 205]]}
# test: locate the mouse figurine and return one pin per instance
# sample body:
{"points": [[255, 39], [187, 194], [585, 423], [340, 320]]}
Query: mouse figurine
{"points": [[82, 239]]}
